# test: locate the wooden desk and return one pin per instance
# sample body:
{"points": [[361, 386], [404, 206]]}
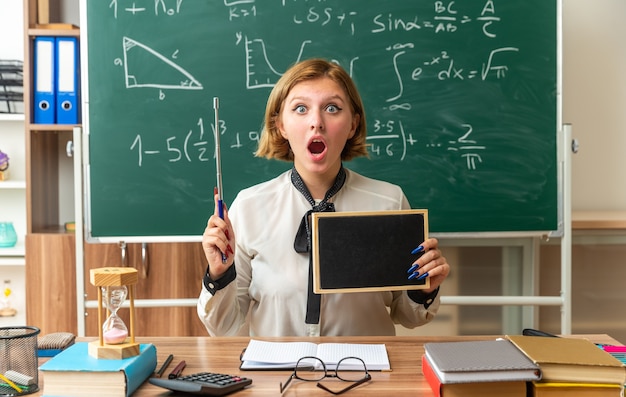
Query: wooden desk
{"points": [[222, 355]]}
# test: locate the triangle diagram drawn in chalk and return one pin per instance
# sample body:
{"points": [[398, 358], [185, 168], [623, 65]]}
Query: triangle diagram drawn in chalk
{"points": [[144, 67]]}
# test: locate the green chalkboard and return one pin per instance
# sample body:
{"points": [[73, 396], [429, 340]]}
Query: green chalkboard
{"points": [[460, 96]]}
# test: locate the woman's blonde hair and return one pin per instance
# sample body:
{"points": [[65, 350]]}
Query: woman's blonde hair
{"points": [[273, 145]]}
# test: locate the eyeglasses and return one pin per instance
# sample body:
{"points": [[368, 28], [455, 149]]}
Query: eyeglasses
{"points": [[312, 369]]}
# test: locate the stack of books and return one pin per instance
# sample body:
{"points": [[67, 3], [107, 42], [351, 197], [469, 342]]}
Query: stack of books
{"points": [[492, 368], [522, 366], [572, 367]]}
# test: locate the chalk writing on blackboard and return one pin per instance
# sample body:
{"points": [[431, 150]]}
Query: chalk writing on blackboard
{"points": [[172, 76], [193, 145], [446, 20], [387, 138], [161, 7], [458, 95]]}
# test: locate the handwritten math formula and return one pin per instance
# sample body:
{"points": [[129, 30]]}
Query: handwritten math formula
{"points": [[388, 138], [406, 67]]}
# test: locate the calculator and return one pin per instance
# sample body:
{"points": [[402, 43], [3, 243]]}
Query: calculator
{"points": [[204, 383]]}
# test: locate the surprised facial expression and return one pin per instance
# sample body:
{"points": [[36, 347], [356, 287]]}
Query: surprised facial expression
{"points": [[317, 120]]}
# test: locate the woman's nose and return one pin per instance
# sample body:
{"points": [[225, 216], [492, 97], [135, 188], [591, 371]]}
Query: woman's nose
{"points": [[317, 122]]}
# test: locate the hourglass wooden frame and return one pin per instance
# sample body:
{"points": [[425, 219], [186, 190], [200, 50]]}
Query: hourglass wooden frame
{"points": [[107, 277]]}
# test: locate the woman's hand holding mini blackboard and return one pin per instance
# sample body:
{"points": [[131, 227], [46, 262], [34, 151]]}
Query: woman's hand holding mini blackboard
{"points": [[430, 264]]}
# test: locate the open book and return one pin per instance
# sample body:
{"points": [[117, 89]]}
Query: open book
{"points": [[285, 355]]}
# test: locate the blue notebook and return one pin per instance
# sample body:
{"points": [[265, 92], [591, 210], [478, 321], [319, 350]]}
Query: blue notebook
{"points": [[74, 373]]}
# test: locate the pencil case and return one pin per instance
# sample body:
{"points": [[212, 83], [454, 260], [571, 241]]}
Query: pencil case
{"points": [[52, 344]]}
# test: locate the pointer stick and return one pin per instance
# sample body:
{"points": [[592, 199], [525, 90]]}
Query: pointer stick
{"points": [[218, 164]]}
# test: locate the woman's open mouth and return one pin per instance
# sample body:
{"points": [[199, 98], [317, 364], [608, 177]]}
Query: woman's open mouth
{"points": [[317, 147]]}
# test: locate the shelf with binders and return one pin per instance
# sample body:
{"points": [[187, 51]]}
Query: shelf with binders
{"points": [[55, 77], [50, 180]]}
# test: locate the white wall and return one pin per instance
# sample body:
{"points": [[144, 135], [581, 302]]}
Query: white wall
{"points": [[594, 100], [11, 29]]}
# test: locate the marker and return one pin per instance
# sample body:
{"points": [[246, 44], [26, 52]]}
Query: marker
{"points": [[218, 165], [167, 362], [177, 370], [612, 348]]}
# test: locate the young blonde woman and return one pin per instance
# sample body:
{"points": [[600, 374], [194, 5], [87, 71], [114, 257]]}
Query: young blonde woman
{"points": [[315, 119]]}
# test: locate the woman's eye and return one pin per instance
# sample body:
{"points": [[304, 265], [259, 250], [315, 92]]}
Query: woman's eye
{"points": [[300, 109], [332, 108]]}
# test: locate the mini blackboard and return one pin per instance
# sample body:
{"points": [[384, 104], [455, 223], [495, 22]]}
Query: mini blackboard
{"points": [[366, 251]]}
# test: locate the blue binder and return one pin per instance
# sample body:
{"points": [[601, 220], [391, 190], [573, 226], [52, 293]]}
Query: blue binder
{"points": [[67, 80], [44, 78]]}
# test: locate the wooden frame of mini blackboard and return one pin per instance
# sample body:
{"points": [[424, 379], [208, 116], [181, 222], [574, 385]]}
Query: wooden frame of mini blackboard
{"points": [[366, 251]]}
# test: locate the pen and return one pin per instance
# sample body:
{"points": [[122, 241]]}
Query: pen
{"points": [[218, 164], [177, 370], [167, 362], [536, 332]]}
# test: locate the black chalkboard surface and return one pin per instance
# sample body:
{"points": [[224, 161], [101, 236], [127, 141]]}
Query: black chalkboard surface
{"points": [[461, 103], [366, 251]]}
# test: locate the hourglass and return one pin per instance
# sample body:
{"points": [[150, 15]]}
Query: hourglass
{"points": [[114, 330], [114, 284]]}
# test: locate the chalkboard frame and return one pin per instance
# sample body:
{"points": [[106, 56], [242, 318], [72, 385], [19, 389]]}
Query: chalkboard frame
{"points": [[195, 235]]}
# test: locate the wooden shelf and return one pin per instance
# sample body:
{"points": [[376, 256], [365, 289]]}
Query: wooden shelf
{"points": [[51, 127], [42, 31], [52, 229], [598, 220]]}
